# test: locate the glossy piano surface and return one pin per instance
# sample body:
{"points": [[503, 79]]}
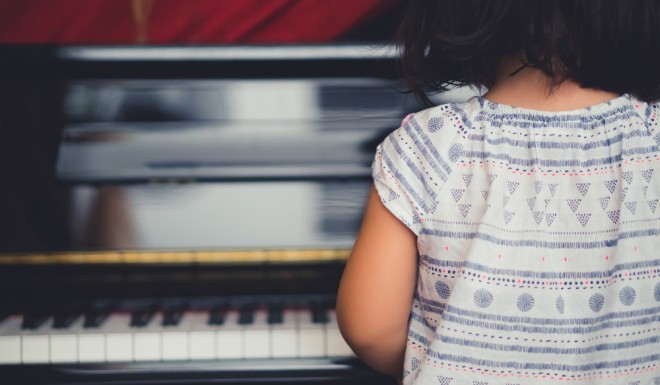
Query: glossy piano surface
{"points": [[191, 164], [238, 164]]}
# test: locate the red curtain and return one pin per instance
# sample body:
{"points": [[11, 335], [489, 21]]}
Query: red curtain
{"points": [[182, 21]]}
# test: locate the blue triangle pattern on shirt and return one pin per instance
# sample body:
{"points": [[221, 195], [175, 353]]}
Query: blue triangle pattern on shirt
{"points": [[627, 176], [512, 186], [467, 178], [647, 175], [538, 217], [464, 209], [611, 185], [583, 218], [457, 193], [415, 363], [604, 202], [583, 188], [531, 202], [445, 380], [624, 192], [573, 203], [538, 185], [614, 215]]}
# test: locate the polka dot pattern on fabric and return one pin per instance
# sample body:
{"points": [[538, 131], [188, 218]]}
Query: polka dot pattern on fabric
{"points": [[442, 289], [627, 295], [435, 124], [525, 302], [559, 304], [596, 302], [455, 152], [483, 298]]}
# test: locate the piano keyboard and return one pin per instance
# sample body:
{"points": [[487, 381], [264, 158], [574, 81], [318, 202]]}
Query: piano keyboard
{"points": [[177, 334]]}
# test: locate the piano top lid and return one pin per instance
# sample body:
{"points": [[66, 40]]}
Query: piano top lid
{"points": [[223, 53], [200, 61]]}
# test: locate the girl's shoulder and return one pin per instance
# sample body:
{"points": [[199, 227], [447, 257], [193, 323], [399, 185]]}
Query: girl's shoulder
{"points": [[444, 122]]}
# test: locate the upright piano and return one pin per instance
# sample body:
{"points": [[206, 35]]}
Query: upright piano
{"points": [[182, 215]]}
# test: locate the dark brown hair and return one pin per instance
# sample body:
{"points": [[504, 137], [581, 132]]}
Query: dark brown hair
{"points": [[613, 45]]}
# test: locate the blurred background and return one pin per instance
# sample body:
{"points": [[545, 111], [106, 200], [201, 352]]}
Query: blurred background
{"points": [[101, 22], [182, 182]]}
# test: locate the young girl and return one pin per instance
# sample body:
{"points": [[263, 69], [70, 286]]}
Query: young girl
{"points": [[515, 238]]}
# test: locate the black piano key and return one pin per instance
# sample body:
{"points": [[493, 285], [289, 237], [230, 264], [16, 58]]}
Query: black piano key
{"points": [[217, 315], [63, 320], [142, 317], [173, 316], [276, 314], [319, 314], [94, 318], [246, 315], [34, 320]]}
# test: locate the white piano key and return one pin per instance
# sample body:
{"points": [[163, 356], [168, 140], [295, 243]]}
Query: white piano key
{"points": [[175, 346], [119, 347], [229, 337], [284, 336], [311, 342], [256, 337], [118, 338], [147, 340], [146, 346], [64, 343], [35, 349], [63, 348], [10, 349], [91, 342], [285, 343], [335, 343], [91, 347], [202, 345], [201, 336], [10, 340], [35, 344]]}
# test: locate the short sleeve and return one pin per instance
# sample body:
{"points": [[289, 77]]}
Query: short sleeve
{"points": [[410, 168], [653, 119]]}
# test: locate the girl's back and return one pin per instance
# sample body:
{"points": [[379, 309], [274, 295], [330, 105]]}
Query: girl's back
{"points": [[537, 235], [508, 245]]}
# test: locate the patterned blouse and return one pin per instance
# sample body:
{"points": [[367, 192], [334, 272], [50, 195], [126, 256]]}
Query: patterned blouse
{"points": [[538, 236]]}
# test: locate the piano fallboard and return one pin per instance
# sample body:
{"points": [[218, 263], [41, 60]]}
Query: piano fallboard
{"points": [[254, 372]]}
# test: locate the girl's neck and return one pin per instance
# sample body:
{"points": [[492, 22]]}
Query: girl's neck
{"points": [[529, 89]]}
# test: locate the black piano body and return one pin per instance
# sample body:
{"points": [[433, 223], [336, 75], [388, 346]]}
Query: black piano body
{"points": [[148, 187]]}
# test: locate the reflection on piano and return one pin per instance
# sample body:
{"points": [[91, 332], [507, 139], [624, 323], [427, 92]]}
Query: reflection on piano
{"points": [[189, 230]]}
